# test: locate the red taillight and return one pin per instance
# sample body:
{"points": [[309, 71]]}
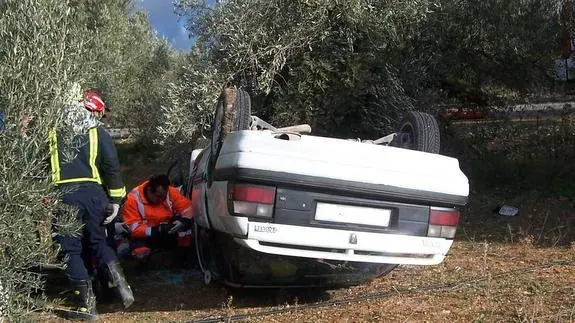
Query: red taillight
{"points": [[443, 223], [444, 217], [252, 200], [254, 194]]}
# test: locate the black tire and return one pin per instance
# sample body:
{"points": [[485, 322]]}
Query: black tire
{"points": [[233, 113], [217, 130], [418, 131], [242, 110]]}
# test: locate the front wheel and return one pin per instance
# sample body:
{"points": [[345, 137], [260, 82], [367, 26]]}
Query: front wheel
{"points": [[418, 131]]}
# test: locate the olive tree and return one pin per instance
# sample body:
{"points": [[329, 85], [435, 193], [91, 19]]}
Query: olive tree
{"points": [[475, 51], [306, 61], [41, 52], [123, 59], [352, 67], [50, 51]]}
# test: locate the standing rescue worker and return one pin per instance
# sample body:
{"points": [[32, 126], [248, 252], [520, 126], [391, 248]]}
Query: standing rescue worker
{"points": [[81, 181], [158, 216]]}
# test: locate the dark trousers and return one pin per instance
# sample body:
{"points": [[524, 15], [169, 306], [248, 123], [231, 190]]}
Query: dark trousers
{"points": [[179, 247], [91, 201], [168, 242]]}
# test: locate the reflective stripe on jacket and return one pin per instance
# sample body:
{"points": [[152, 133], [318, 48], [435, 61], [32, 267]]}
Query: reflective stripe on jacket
{"points": [[95, 161], [140, 215]]}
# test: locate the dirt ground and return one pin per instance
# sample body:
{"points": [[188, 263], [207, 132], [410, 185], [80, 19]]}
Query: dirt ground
{"points": [[499, 269]]}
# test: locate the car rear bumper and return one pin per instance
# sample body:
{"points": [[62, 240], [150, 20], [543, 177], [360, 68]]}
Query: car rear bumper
{"points": [[238, 265], [344, 245]]}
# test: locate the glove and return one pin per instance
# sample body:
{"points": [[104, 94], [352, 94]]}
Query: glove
{"points": [[176, 226], [121, 228], [180, 224], [159, 231], [111, 213]]}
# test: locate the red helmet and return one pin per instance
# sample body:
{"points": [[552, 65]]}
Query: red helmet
{"points": [[93, 102]]}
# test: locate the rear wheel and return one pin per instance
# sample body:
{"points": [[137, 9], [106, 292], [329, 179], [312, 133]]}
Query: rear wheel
{"points": [[418, 131], [233, 113]]}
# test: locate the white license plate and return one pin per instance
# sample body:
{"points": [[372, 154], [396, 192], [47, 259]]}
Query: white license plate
{"points": [[352, 214]]}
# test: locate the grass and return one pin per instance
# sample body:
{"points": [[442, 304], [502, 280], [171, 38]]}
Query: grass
{"points": [[486, 246]]}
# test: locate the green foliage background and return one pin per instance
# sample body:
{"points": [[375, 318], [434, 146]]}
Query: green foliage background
{"points": [[46, 46], [349, 68]]}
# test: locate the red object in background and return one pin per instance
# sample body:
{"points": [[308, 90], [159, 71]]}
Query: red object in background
{"points": [[457, 114], [565, 38]]}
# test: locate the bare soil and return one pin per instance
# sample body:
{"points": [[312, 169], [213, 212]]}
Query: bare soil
{"points": [[499, 269]]}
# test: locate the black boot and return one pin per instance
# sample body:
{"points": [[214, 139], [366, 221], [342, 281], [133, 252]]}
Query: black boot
{"points": [[118, 280], [84, 301], [102, 287]]}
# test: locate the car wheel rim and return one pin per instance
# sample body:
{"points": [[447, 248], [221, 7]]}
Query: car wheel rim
{"points": [[207, 277], [406, 137]]}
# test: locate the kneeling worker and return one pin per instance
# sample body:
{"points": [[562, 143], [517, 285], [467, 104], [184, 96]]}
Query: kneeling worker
{"points": [[158, 216]]}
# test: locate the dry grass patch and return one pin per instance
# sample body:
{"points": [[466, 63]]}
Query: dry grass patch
{"points": [[481, 280]]}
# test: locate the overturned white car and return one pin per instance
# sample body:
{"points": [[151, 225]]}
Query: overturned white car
{"points": [[280, 207]]}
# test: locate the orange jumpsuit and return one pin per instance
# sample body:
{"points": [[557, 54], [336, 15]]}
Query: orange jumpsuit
{"points": [[140, 215]]}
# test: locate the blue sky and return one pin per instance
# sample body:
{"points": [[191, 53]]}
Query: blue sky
{"points": [[167, 23]]}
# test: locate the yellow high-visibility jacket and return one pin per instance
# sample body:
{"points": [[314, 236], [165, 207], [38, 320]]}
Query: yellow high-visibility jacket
{"points": [[96, 161]]}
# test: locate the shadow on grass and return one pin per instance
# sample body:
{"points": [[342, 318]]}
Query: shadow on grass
{"points": [[172, 290], [163, 288]]}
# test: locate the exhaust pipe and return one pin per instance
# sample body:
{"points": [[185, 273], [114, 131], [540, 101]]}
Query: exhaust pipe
{"points": [[300, 128]]}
